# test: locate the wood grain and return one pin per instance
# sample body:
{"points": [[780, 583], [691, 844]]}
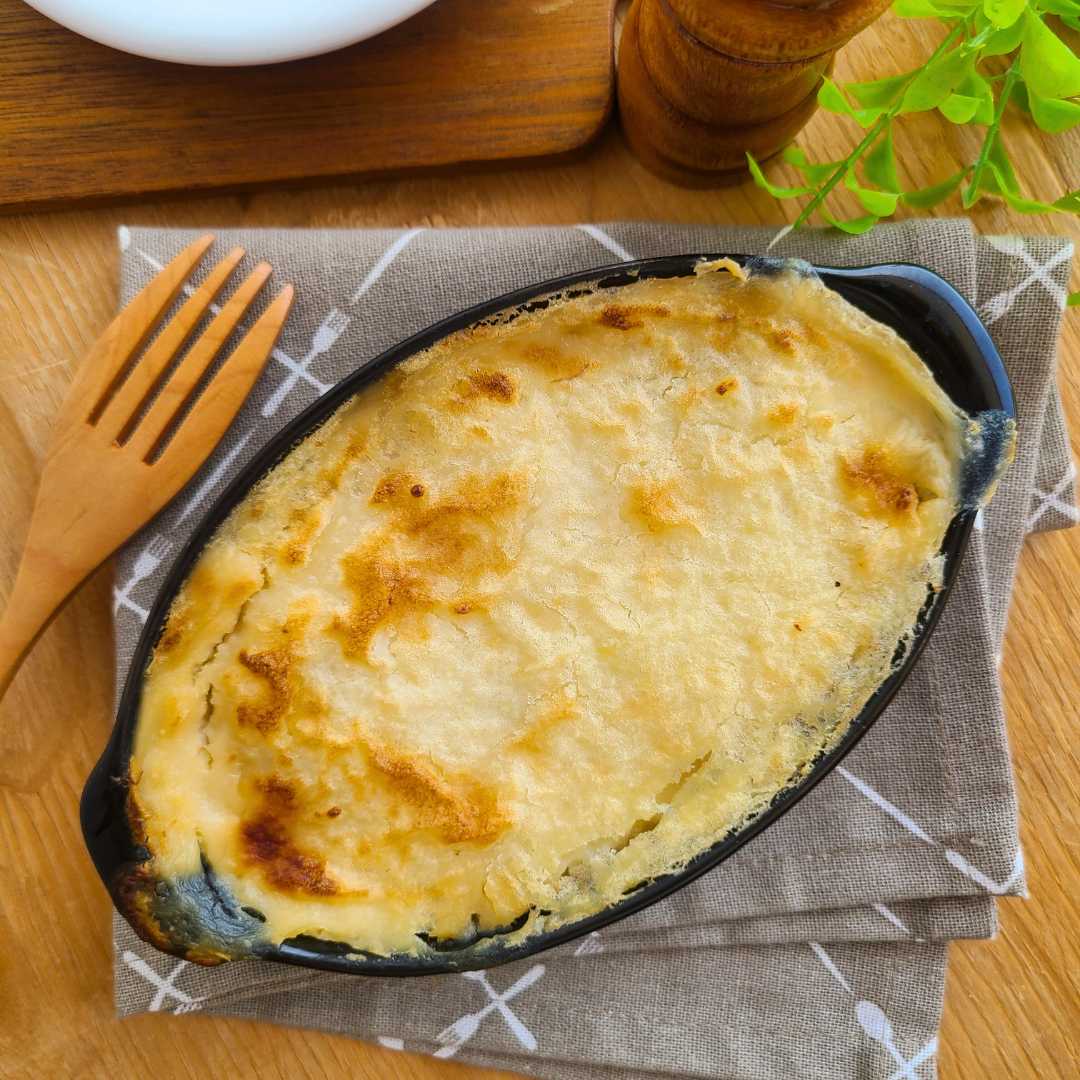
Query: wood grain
{"points": [[104, 475], [1012, 1006], [464, 81], [680, 147], [716, 88]]}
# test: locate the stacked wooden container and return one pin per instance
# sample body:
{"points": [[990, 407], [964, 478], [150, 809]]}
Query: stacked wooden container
{"points": [[701, 82]]}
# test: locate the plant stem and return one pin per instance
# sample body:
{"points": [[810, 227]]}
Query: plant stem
{"points": [[880, 125], [971, 195]]}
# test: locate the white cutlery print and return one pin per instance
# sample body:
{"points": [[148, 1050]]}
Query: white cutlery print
{"points": [[148, 561], [464, 1029], [331, 328]]}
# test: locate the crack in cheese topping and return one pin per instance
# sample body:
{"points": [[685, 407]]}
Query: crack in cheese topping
{"points": [[546, 611]]}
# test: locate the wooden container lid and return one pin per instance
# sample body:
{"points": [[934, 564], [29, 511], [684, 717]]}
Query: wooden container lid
{"points": [[713, 87], [679, 146], [771, 31]]}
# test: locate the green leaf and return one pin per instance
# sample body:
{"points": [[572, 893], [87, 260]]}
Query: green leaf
{"points": [[881, 203], [772, 189], [882, 92], [1026, 206], [1019, 98], [1069, 204], [997, 182], [974, 85], [927, 9], [815, 174], [1047, 63], [999, 162], [831, 99], [959, 108], [855, 227], [1004, 12], [925, 198], [1005, 41], [1061, 7], [970, 196], [936, 82], [981, 38], [991, 181], [1072, 300], [879, 166], [1053, 115], [1071, 21], [984, 114]]}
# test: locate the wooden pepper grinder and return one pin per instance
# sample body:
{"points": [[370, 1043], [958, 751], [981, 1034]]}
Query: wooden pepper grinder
{"points": [[701, 82]]}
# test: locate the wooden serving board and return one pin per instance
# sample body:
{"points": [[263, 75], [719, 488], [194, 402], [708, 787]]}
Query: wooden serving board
{"points": [[463, 82]]}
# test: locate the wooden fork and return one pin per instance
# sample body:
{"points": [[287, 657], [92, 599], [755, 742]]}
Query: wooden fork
{"points": [[122, 445]]}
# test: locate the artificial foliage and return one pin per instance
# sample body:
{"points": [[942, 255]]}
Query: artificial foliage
{"points": [[1042, 79]]}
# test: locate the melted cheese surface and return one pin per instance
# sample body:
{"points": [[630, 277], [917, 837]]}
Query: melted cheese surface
{"points": [[547, 610]]}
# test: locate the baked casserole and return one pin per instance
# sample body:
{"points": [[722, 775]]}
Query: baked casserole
{"points": [[539, 616]]}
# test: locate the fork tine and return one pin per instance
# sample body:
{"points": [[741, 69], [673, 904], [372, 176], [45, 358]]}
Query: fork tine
{"points": [[116, 419], [221, 401], [106, 364], [176, 395]]}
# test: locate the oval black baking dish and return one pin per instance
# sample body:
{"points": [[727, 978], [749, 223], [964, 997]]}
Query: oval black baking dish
{"points": [[927, 312]]}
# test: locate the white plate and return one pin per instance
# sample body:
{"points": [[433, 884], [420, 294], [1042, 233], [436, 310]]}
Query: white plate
{"points": [[228, 32]]}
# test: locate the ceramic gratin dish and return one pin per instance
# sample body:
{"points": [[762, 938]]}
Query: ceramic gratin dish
{"points": [[925, 311]]}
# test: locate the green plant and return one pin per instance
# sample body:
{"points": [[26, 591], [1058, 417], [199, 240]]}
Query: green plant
{"points": [[1043, 77]]}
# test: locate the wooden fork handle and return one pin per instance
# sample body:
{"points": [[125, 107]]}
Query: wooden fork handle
{"points": [[41, 587], [95, 493], [77, 524]]}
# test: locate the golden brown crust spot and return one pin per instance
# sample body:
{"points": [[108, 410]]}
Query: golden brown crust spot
{"points": [[630, 316], [267, 843], [333, 474], [725, 386], [660, 506], [784, 338], [462, 813], [273, 668], [176, 631], [787, 412], [390, 486], [381, 588], [559, 366], [496, 386], [394, 574], [878, 480], [752, 309], [277, 685], [305, 522]]}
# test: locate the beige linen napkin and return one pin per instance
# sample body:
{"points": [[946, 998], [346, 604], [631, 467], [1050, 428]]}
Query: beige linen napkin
{"points": [[818, 950]]}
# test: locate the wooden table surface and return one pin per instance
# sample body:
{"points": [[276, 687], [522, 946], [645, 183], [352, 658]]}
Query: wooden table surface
{"points": [[1012, 1007]]}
